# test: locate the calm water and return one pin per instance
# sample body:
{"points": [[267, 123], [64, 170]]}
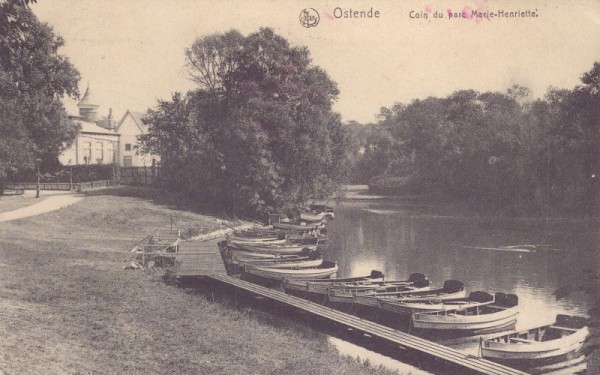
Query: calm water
{"points": [[400, 241]]}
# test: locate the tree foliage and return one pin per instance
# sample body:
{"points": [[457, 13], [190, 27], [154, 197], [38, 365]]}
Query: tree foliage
{"points": [[259, 131], [494, 149], [33, 79]]}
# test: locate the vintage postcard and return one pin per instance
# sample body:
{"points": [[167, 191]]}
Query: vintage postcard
{"points": [[299, 187]]}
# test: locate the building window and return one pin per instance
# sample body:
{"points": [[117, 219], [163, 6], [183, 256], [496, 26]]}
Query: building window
{"points": [[110, 156], [127, 161], [127, 146], [87, 152], [99, 152]]}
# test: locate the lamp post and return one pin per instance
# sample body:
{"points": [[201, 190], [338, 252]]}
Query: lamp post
{"points": [[37, 190], [70, 175]]}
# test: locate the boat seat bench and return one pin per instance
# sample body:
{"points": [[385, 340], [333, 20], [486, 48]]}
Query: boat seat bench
{"points": [[522, 340], [565, 328], [500, 307]]}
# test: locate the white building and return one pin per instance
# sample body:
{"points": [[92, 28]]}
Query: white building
{"points": [[130, 128], [94, 144], [102, 141]]}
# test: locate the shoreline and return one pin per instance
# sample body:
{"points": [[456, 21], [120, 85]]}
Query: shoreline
{"points": [[69, 306], [434, 208]]}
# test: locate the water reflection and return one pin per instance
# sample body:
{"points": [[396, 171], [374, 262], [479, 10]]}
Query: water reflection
{"points": [[398, 242], [374, 359]]}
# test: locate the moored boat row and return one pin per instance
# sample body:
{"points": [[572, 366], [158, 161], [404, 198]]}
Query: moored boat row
{"points": [[287, 252], [284, 250]]}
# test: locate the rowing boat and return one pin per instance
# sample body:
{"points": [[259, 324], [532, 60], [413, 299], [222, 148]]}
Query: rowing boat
{"points": [[297, 227], [328, 210], [347, 293], [284, 248], [310, 260], [451, 290], [259, 232], [551, 342], [250, 241], [475, 299], [312, 217], [365, 283], [499, 311], [326, 270], [304, 285]]}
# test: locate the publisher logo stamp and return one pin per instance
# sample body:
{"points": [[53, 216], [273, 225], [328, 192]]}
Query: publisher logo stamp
{"points": [[309, 17]]}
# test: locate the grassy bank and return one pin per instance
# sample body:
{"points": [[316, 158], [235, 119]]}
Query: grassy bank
{"points": [[68, 306], [14, 202]]}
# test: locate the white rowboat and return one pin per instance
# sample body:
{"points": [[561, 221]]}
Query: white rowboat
{"points": [[566, 335], [478, 318]]}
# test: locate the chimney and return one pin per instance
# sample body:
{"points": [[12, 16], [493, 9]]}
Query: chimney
{"points": [[110, 119]]}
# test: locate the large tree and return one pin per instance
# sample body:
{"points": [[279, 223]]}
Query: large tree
{"points": [[263, 112], [34, 78], [462, 146]]}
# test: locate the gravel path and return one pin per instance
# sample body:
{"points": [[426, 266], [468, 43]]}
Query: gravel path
{"points": [[51, 203]]}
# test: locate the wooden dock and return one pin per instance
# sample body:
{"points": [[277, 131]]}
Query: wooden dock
{"points": [[377, 330], [203, 259], [199, 258]]}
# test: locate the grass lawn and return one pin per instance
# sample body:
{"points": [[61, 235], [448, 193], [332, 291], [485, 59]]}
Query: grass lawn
{"points": [[68, 306], [14, 202]]}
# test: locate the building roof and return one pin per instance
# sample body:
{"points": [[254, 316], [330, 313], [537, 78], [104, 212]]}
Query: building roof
{"points": [[88, 99], [137, 118], [89, 127]]}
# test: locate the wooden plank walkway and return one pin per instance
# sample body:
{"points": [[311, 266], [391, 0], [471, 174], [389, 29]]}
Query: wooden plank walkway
{"points": [[203, 258], [199, 258], [374, 329]]}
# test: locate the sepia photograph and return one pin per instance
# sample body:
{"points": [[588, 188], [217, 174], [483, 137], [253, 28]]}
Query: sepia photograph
{"points": [[366, 187]]}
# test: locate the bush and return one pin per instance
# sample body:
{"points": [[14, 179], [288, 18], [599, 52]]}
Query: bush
{"points": [[391, 185], [81, 173]]}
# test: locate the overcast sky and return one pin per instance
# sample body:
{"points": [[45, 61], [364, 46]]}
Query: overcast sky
{"points": [[132, 51]]}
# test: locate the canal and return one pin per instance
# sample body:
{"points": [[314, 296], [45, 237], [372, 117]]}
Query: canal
{"points": [[537, 259]]}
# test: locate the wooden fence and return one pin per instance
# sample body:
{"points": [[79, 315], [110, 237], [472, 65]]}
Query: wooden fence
{"points": [[64, 186], [139, 175]]}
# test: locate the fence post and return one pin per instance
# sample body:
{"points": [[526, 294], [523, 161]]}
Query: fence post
{"points": [[213, 264]]}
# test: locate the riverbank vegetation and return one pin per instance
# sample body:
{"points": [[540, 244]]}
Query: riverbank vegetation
{"points": [[68, 306], [258, 134], [495, 151], [34, 78]]}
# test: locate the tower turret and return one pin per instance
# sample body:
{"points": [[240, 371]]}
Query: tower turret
{"points": [[87, 108]]}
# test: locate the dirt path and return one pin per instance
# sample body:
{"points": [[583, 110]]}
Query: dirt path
{"points": [[51, 203]]}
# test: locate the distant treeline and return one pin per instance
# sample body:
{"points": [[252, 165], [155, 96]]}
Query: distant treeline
{"points": [[495, 150]]}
